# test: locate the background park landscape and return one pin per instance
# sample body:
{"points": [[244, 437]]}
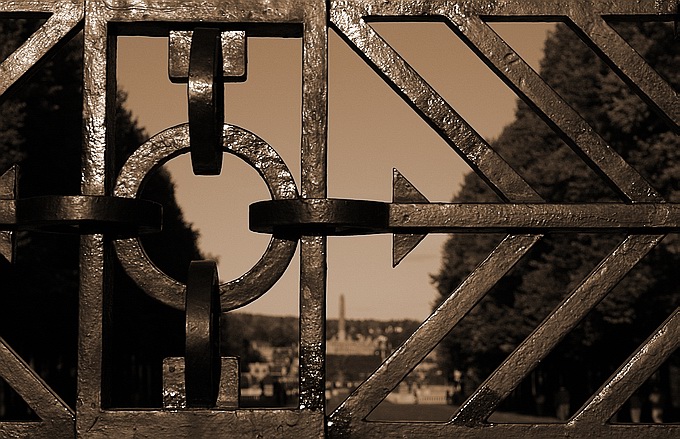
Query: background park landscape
{"points": [[383, 305]]}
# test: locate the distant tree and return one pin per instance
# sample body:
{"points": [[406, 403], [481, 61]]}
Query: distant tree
{"points": [[41, 129], [560, 261]]}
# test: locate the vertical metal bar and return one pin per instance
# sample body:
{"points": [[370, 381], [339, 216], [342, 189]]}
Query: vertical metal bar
{"points": [[313, 185], [98, 86]]}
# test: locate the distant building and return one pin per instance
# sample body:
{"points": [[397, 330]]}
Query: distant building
{"points": [[352, 358], [257, 372], [360, 345], [274, 382]]}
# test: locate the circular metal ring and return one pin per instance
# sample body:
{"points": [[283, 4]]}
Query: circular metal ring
{"points": [[258, 154]]}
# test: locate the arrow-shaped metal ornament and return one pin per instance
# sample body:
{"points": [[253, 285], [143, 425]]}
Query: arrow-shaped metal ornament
{"points": [[8, 191], [404, 192]]}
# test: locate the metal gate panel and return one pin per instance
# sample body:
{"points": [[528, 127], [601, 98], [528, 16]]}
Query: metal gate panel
{"points": [[107, 199]]}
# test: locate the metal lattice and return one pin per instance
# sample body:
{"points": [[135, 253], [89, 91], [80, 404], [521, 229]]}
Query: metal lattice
{"points": [[208, 54]]}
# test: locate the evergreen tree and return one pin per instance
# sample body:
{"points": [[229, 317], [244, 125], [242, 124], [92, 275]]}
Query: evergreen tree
{"points": [[41, 130], [560, 261]]}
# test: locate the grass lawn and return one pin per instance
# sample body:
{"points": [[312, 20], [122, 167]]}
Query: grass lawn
{"points": [[438, 413]]}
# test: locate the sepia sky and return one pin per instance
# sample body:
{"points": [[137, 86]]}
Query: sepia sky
{"points": [[371, 131]]}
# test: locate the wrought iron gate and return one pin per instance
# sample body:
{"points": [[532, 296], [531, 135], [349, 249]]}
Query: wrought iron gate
{"points": [[207, 45]]}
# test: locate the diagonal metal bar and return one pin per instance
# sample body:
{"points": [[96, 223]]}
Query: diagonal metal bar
{"points": [[57, 417], [630, 66], [574, 130], [65, 21], [509, 185], [556, 326], [369, 394], [631, 375], [508, 65]]}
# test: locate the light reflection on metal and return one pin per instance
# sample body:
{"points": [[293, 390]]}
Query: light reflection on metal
{"points": [[65, 20], [206, 101], [108, 209], [234, 55], [202, 347]]}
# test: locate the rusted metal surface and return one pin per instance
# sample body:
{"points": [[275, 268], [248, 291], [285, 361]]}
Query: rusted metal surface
{"points": [[337, 217], [88, 213], [207, 46]]}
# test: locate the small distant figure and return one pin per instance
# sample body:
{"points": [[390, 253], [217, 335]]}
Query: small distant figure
{"points": [[280, 394], [415, 395], [656, 399], [562, 402], [540, 403], [635, 405]]}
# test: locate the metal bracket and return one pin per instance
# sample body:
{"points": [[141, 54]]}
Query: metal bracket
{"points": [[201, 379], [213, 56], [234, 56], [72, 214]]}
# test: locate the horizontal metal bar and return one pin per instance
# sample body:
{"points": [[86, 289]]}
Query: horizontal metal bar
{"points": [[508, 8], [647, 218], [336, 216], [60, 213], [217, 11], [319, 216], [184, 424], [428, 430]]}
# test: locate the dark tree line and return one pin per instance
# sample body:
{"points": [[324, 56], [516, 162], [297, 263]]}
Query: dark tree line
{"points": [[559, 262], [40, 129]]}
